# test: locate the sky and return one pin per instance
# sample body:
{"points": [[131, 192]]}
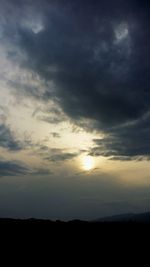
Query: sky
{"points": [[74, 108]]}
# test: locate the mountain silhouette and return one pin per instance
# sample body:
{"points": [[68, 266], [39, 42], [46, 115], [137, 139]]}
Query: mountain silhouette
{"points": [[129, 217], [120, 218]]}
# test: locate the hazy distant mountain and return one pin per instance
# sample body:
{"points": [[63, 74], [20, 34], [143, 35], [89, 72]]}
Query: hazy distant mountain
{"points": [[121, 218], [130, 217]]}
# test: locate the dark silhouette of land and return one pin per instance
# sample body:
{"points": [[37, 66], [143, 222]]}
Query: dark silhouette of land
{"points": [[131, 218]]}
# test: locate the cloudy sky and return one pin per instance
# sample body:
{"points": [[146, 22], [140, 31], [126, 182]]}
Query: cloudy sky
{"points": [[74, 108]]}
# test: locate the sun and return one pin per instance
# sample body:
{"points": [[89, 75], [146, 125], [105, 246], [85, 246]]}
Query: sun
{"points": [[87, 163]]}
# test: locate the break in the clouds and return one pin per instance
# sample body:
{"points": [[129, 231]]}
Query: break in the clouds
{"points": [[93, 59]]}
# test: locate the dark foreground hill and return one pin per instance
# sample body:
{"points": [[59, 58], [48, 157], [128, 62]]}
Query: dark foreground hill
{"points": [[125, 228]]}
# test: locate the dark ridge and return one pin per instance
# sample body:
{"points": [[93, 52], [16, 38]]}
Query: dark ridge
{"points": [[129, 218]]}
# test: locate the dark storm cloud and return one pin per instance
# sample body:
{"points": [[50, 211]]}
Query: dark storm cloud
{"points": [[7, 139], [126, 142], [96, 54]]}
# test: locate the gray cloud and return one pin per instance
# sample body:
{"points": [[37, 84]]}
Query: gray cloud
{"points": [[49, 119], [7, 140], [15, 168], [127, 142], [52, 115], [12, 168], [61, 157], [55, 154]]}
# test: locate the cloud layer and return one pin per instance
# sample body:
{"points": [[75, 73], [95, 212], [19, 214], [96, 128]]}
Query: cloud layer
{"points": [[94, 59]]}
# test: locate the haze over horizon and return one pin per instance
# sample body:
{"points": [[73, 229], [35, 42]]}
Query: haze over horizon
{"points": [[74, 108]]}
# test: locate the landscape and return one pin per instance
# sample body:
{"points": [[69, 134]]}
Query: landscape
{"points": [[74, 113]]}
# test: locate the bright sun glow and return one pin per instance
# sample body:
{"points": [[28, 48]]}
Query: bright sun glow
{"points": [[87, 163]]}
